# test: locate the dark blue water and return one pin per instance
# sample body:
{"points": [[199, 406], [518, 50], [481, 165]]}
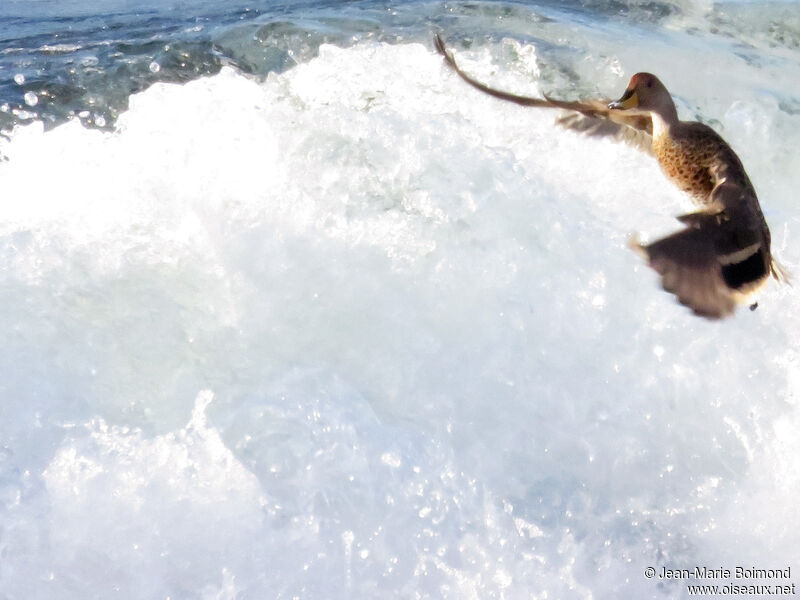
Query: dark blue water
{"points": [[61, 60]]}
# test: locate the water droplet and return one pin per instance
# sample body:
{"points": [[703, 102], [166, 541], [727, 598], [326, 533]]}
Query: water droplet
{"points": [[391, 459], [155, 67], [19, 78], [31, 99]]}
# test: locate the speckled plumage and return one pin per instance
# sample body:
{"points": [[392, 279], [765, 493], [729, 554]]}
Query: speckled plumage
{"points": [[686, 161]]}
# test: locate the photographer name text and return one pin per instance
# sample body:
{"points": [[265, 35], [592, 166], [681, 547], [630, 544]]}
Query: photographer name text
{"points": [[720, 573]]}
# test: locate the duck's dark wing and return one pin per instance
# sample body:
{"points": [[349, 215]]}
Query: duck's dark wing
{"points": [[714, 263], [592, 117]]}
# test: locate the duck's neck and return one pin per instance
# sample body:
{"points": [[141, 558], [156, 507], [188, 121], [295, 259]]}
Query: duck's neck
{"points": [[663, 118]]}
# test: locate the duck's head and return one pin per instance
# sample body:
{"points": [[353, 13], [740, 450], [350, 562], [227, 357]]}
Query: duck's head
{"points": [[644, 92]]}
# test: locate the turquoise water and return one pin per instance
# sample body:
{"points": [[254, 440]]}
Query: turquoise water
{"points": [[289, 310]]}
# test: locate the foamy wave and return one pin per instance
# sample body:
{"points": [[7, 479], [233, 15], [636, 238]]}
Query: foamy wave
{"points": [[436, 367]]}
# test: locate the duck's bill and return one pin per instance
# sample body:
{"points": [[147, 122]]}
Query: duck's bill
{"points": [[629, 100]]}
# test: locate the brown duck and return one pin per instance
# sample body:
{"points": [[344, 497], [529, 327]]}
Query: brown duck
{"points": [[722, 257]]}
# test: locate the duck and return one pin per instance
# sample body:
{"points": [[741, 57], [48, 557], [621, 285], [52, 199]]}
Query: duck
{"points": [[722, 257]]}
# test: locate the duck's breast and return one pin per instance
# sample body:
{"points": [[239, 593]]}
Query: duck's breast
{"points": [[685, 160]]}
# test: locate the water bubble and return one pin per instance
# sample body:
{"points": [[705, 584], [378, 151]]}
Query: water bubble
{"points": [[100, 121], [31, 99], [19, 78], [155, 67], [502, 578], [23, 115]]}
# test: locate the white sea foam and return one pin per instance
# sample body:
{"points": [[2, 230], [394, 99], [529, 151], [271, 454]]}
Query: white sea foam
{"points": [[362, 332]]}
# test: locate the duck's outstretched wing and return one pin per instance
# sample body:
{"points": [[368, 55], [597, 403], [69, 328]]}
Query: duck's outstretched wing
{"points": [[592, 117], [634, 130]]}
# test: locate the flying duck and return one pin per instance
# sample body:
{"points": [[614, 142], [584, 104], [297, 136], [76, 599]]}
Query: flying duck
{"points": [[722, 256]]}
